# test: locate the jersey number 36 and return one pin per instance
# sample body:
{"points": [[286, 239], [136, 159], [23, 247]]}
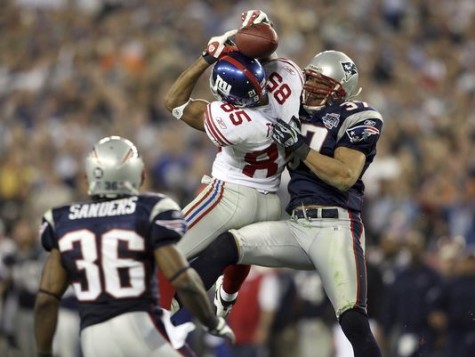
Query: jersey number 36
{"points": [[102, 266]]}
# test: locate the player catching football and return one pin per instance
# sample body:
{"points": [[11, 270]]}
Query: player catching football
{"points": [[333, 148], [246, 172]]}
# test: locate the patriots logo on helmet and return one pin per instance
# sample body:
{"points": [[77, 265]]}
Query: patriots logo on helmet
{"points": [[361, 132], [350, 69]]}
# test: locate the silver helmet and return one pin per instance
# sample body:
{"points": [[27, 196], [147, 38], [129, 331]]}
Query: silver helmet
{"points": [[331, 76], [114, 168]]}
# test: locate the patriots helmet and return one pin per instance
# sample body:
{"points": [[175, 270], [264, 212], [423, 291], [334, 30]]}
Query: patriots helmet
{"points": [[114, 168], [238, 80], [331, 76]]}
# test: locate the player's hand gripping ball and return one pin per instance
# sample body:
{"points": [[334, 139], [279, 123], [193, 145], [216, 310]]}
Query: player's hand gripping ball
{"points": [[257, 40]]}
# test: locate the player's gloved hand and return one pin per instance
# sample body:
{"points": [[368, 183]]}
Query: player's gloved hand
{"points": [[176, 333], [218, 46], [254, 17], [289, 137], [223, 330]]}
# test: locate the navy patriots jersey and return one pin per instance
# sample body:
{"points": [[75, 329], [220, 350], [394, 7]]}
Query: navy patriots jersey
{"points": [[107, 249], [352, 124]]}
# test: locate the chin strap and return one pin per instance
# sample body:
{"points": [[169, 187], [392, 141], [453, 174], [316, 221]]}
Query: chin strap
{"points": [[356, 94]]}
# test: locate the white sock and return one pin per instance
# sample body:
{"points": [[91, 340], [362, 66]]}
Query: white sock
{"points": [[227, 297]]}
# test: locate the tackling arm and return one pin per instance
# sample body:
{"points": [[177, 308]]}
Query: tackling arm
{"points": [[54, 282], [341, 171]]}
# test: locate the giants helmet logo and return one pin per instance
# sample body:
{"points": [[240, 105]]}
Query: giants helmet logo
{"points": [[221, 86]]}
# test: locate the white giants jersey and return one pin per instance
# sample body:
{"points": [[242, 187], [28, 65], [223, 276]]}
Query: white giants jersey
{"points": [[247, 154]]}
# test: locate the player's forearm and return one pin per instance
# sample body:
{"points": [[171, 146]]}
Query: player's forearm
{"points": [[330, 170], [193, 296], [198, 307], [181, 89], [46, 317], [178, 100]]}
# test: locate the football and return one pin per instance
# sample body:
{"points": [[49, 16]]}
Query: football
{"points": [[257, 40]]}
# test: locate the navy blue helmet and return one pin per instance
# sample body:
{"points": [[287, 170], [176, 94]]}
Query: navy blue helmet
{"points": [[238, 80]]}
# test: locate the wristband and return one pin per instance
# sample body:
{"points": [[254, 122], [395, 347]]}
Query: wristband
{"points": [[178, 111], [178, 273], [208, 58], [57, 297]]}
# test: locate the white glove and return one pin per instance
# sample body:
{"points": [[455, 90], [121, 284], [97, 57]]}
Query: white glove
{"points": [[254, 17], [217, 47], [176, 334], [223, 330]]}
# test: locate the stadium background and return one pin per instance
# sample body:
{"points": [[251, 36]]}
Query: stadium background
{"points": [[73, 71]]}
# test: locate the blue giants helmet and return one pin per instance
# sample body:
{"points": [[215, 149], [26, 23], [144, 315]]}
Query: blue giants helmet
{"points": [[238, 80]]}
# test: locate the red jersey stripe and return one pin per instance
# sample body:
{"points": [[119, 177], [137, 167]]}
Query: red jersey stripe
{"points": [[213, 129]]}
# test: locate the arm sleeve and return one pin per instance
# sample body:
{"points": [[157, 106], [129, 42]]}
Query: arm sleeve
{"points": [[47, 234], [362, 131], [168, 223]]}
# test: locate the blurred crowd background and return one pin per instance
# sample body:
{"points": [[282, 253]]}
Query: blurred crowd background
{"points": [[73, 71]]}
